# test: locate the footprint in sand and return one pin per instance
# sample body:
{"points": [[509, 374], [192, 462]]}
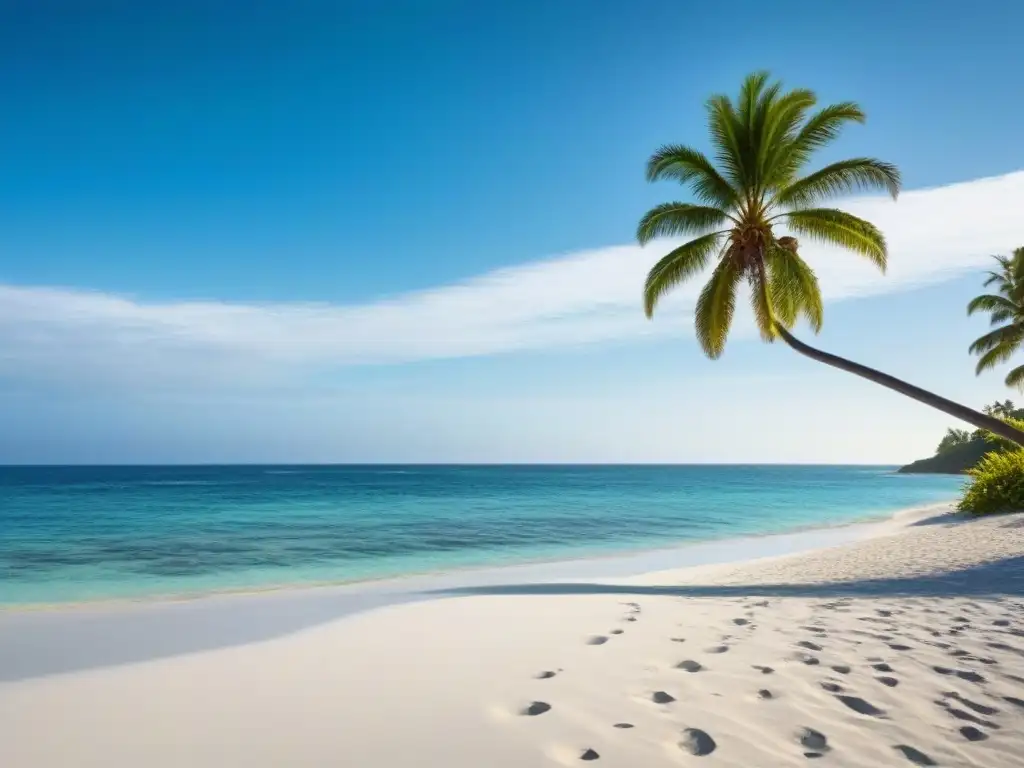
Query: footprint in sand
{"points": [[981, 709], [678, 639], [970, 677], [690, 666], [807, 659], [763, 670], [883, 667], [842, 669], [961, 714], [597, 640], [717, 649], [1005, 647], [623, 725], [589, 754], [860, 706], [741, 622], [899, 647], [535, 708], [697, 742], [1015, 701], [916, 756], [891, 682], [616, 632], [661, 697], [831, 687], [546, 674], [1000, 623], [815, 742], [809, 645], [971, 733], [765, 694]]}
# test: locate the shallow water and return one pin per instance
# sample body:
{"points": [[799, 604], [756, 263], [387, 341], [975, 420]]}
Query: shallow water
{"points": [[82, 533]]}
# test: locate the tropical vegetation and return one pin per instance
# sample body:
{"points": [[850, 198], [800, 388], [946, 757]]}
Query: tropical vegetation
{"points": [[952, 439], [960, 449], [997, 484], [1004, 410], [1005, 305], [756, 183]]}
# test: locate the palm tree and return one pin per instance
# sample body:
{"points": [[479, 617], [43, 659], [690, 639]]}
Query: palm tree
{"points": [[953, 438], [762, 144], [1006, 310]]}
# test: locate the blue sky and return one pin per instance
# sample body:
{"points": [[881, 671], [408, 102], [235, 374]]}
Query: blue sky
{"points": [[402, 231]]}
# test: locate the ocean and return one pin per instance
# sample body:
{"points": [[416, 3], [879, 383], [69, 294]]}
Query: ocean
{"points": [[70, 534]]}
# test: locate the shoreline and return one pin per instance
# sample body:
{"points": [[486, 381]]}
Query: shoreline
{"points": [[34, 642], [588, 556]]}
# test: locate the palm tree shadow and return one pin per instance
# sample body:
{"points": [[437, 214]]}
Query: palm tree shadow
{"points": [[1001, 578]]}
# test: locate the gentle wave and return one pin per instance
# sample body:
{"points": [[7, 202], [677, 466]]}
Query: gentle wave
{"points": [[76, 533]]}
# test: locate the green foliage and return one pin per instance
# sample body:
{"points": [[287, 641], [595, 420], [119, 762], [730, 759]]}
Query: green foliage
{"points": [[1005, 410], [953, 438], [996, 484], [1006, 314], [960, 450], [755, 181], [1002, 443]]}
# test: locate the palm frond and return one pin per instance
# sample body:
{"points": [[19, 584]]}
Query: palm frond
{"points": [[780, 131], [994, 277], [990, 303], [758, 121], [840, 178], [762, 302], [674, 219], [1008, 334], [688, 166], [751, 90], [1015, 378], [794, 288], [821, 128], [676, 267], [727, 135], [715, 307], [835, 227], [1000, 316], [1000, 353]]}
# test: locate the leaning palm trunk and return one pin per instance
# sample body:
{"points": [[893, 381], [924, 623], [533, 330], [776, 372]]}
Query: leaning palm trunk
{"points": [[979, 420]]}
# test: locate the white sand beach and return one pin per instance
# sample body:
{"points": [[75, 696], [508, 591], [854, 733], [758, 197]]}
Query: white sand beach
{"points": [[906, 648]]}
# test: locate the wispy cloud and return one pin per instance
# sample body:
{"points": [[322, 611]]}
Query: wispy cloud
{"points": [[585, 297]]}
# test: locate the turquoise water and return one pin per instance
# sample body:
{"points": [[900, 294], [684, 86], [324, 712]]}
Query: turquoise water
{"points": [[84, 533]]}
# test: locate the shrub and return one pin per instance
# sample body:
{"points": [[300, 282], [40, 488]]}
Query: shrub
{"points": [[996, 485]]}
